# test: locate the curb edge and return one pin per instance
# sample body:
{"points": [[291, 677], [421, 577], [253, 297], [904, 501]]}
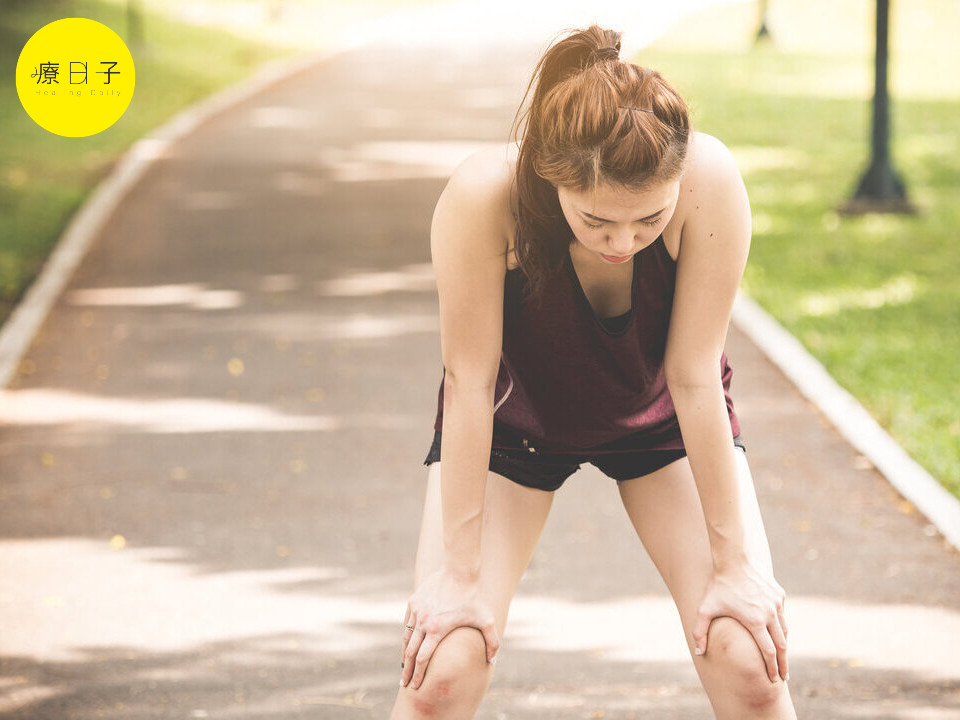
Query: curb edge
{"points": [[849, 417]]}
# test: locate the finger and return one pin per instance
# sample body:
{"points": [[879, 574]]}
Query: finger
{"points": [[780, 640], [492, 641], [409, 619], [700, 633], [782, 613], [404, 639], [423, 659], [410, 655], [767, 649]]}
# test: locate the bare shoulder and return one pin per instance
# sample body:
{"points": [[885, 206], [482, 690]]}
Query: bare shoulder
{"points": [[480, 188], [488, 166], [710, 177], [709, 161]]}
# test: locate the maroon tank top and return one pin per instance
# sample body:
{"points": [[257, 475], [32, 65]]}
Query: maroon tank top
{"points": [[571, 382]]}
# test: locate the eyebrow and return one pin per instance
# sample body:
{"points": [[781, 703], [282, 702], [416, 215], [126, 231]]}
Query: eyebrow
{"points": [[600, 219]]}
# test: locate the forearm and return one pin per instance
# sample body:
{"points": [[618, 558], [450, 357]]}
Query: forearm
{"points": [[705, 425], [465, 457]]}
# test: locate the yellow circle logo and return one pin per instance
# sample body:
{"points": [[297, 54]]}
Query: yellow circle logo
{"points": [[75, 77]]}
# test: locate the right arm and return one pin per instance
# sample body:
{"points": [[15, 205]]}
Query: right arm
{"points": [[469, 235], [467, 243]]}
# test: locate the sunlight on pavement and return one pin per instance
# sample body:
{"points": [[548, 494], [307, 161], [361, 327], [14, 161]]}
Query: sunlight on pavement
{"points": [[191, 294], [382, 117], [414, 278], [282, 117], [295, 326], [294, 181], [910, 637], [869, 712], [17, 693], [145, 599], [397, 160], [310, 327], [181, 415], [645, 627]]}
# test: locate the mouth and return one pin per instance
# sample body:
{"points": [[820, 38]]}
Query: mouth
{"points": [[615, 258]]}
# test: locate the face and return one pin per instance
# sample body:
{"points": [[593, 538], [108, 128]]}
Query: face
{"points": [[622, 222]]}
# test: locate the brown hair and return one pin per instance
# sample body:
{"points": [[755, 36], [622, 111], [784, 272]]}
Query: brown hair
{"points": [[577, 136]]}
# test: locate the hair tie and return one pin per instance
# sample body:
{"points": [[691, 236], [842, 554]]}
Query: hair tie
{"points": [[631, 107], [605, 53]]}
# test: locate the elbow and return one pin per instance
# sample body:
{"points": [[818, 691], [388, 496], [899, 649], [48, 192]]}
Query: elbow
{"points": [[473, 396], [469, 381], [691, 378]]}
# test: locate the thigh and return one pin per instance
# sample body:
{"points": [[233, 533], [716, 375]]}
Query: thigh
{"points": [[513, 520], [665, 509]]}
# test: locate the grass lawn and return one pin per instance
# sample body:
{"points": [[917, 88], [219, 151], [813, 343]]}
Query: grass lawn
{"points": [[190, 49], [875, 298]]}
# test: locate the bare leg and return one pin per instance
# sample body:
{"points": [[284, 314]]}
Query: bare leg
{"points": [[458, 674], [665, 510]]}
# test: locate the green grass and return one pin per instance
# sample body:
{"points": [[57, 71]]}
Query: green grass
{"points": [[875, 298], [44, 178]]}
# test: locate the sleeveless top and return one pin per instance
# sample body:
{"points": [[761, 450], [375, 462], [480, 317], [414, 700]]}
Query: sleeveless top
{"points": [[572, 382]]}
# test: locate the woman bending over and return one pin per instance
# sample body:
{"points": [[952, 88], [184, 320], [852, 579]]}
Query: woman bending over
{"points": [[586, 277]]}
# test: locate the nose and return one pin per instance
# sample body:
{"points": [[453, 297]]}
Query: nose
{"points": [[621, 242]]}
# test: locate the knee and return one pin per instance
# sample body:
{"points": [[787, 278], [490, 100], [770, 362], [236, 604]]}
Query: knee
{"points": [[733, 649], [457, 670]]}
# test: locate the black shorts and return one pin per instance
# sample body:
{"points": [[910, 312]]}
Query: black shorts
{"points": [[548, 471]]}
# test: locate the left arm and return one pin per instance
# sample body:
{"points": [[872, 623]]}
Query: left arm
{"points": [[715, 240], [714, 244]]}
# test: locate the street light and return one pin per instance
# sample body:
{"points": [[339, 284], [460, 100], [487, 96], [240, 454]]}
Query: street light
{"points": [[880, 188], [763, 33]]}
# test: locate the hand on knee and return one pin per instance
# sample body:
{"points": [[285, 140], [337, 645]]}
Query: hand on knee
{"points": [[457, 668], [732, 648]]}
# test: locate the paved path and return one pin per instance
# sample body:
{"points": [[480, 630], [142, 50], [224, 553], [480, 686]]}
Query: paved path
{"points": [[211, 462]]}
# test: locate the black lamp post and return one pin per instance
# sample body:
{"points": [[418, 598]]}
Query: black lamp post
{"points": [[763, 33], [880, 188]]}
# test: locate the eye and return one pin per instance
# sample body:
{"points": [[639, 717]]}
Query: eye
{"points": [[591, 225], [652, 222]]}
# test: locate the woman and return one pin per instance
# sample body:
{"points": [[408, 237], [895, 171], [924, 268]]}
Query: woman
{"points": [[586, 281]]}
